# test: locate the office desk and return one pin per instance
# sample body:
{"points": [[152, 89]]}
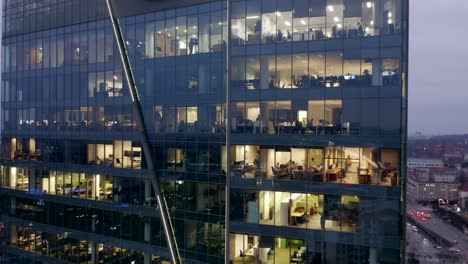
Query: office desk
{"points": [[295, 216], [333, 174]]}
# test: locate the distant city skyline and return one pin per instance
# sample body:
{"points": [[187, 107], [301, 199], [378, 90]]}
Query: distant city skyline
{"points": [[438, 60]]}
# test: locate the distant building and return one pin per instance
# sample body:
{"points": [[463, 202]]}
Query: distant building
{"points": [[432, 184], [463, 198], [453, 159], [424, 163]]}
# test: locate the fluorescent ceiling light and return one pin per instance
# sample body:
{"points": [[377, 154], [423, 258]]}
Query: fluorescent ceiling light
{"points": [[287, 23], [303, 22], [369, 4], [389, 21], [252, 17], [339, 25], [336, 19], [372, 22], [330, 8], [278, 13]]}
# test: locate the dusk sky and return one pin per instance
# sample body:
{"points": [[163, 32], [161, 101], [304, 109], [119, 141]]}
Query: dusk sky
{"points": [[438, 67]]}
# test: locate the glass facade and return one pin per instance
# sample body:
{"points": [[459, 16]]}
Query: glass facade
{"points": [[315, 120]]}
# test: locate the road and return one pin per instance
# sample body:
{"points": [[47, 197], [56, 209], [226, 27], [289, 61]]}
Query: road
{"points": [[423, 250], [442, 228]]}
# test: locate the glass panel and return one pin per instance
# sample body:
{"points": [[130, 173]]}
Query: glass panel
{"points": [[269, 33], [192, 34], [181, 39], [335, 10]]}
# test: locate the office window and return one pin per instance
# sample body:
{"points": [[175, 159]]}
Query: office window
{"points": [[334, 68], [284, 25], [140, 42], [170, 38], [300, 74], [160, 39], [150, 39], [238, 29], [100, 52], [237, 72], [391, 72], [181, 39], [352, 18], [204, 33], [283, 71], [390, 16], [284, 118], [390, 118], [192, 34], [334, 11], [238, 119], [92, 56], [316, 69], [269, 33], [216, 32], [252, 74], [369, 20], [253, 22], [109, 45], [83, 47], [325, 116]]}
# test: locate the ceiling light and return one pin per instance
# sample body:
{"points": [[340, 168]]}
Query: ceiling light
{"points": [[336, 19], [369, 4], [287, 23], [115, 77], [176, 27], [303, 22], [278, 13], [194, 27], [389, 21], [367, 29], [252, 17], [389, 14], [330, 8], [339, 25], [372, 22]]}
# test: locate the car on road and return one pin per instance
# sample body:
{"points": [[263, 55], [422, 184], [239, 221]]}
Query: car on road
{"points": [[415, 229], [456, 250], [437, 246]]}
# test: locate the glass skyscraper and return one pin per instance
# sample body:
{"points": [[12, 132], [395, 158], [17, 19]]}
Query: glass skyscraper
{"points": [[277, 131]]}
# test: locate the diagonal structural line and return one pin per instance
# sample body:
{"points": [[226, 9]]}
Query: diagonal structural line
{"points": [[144, 138]]}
